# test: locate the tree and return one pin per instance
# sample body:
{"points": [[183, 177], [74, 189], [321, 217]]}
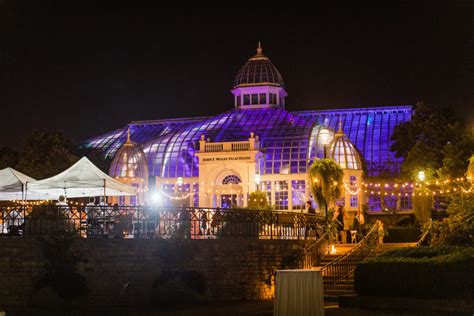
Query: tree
{"points": [[326, 182], [46, 154], [97, 157], [422, 204], [435, 141], [8, 157], [258, 201]]}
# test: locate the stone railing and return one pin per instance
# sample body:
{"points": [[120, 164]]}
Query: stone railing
{"points": [[251, 144]]}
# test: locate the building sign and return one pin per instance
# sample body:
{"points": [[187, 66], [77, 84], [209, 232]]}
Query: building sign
{"points": [[244, 158]]}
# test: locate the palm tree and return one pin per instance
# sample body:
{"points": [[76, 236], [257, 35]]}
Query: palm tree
{"points": [[326, 182]]}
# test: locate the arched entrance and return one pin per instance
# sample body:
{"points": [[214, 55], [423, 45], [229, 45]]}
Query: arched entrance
{"points": [[231, 194]]}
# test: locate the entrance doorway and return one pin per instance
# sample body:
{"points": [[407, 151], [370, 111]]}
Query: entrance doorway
{"points": [[228, 200]]}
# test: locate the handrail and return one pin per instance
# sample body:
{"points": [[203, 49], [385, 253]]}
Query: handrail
{"points": [[312, 252], [341, 267], [422, 238], [358, 245], [157, 222]]}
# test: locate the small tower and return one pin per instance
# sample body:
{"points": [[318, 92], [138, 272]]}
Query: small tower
{"points": [[259, 84], [349, 159], [130, 166]]}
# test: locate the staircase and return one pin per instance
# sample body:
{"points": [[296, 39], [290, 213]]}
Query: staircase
{"points": [[345, 287]]}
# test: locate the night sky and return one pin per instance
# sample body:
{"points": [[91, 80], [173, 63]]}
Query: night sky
{"points": [[85, 69]]}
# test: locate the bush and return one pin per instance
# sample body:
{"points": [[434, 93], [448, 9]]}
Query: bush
{"points": [[458, 228], [426, 272], [258, 201]]}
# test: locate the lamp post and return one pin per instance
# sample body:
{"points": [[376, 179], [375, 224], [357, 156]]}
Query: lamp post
{"points": [[324, 137], [421, 176], [257, 178]]}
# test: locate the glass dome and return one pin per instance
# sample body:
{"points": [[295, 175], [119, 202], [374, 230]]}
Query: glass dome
{"points": [[259, 70], [344, 152], [129, 161]]}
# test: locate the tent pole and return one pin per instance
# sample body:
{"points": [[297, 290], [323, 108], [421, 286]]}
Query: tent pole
{"points": [[24, 189], [105, 201]]}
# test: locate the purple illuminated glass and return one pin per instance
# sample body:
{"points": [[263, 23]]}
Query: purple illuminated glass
{"points": [[289, 138]]}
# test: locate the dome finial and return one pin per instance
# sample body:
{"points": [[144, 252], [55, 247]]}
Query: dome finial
{"points": [[340, 131], [128, 135], [259, 54]]}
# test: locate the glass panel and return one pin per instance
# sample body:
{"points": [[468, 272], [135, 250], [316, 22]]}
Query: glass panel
{"points": [[246, 99], [254, 99]]}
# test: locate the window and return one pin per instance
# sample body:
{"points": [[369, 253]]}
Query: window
{"points": [[239, 103], [353, 181], [196, 195], [231, 179], [281, 195], [273, 98], [246, 99], [121, 200], [263, 98], [254, 99], [266, 186], [354, 201], [168, 188], [405, 202], [298, 194], [374, 203]]}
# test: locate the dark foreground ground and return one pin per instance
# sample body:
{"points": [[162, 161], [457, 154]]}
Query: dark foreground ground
{"points": [[263, 308]]}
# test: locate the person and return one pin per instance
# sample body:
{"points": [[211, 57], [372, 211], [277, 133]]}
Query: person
{"points": [[216, 221], [204, 222], [62, 203], [93, 227], [310, 210], [184, 222], [340, 218]]}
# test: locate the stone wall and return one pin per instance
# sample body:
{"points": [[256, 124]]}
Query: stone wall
{"points": [[123, 271]]}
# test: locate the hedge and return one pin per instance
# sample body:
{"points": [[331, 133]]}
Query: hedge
{"points": [[425, 272]]}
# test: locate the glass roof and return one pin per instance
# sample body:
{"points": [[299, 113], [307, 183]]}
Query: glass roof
{"points": [[344, 153], [129, 162], [289, 137]]}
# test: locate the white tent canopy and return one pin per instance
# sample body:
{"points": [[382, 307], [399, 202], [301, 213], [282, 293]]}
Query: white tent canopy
{"points": [[83, 179], [13, 184]]}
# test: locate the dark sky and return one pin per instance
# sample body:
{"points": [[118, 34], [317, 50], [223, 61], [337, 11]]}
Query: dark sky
{"points": [[85, 69]]}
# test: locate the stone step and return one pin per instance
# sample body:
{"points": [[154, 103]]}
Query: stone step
{"points": [[343, 287], [337, 292]]}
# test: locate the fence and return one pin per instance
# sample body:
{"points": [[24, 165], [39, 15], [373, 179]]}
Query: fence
{"points": [[157, 222], [342, 267]]}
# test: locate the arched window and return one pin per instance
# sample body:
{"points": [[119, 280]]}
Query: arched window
{"points": [[231, 179]]}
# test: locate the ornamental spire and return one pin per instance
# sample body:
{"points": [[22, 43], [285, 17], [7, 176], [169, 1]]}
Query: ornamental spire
{"points": [[259, 48], [128, 135], [259, 54], [340, 131]]}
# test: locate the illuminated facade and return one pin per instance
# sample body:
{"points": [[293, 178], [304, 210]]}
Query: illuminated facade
{"points": [[219, 160]]}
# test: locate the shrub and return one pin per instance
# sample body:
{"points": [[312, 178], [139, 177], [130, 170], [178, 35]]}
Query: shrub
{"points": [[258, 201], [458, 228], [428, 272]]}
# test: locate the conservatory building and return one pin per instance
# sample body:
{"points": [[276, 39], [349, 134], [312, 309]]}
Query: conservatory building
{"points": [[218, 161]]}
